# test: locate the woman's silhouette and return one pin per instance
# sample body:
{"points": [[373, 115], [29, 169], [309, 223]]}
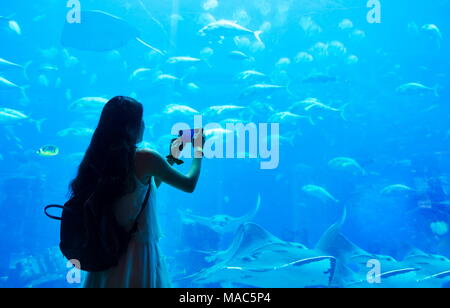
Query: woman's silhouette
{"points": [[114, 167]]}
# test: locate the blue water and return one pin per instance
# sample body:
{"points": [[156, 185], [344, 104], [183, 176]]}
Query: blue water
{"points": [[395, 138]]}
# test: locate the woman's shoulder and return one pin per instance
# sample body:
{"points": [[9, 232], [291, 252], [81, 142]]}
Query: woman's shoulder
{"points": [[144, 154]]}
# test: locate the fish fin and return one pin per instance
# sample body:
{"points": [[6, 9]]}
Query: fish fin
{"points": [[24, 94], [258, 36], [150, 46], [39, 123], [25, 69], [290, 92], [436, 90], [343, 110], [208, 64]]}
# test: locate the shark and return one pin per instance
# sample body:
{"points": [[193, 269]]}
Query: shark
{"points": [[221, 223], [256, 258]]}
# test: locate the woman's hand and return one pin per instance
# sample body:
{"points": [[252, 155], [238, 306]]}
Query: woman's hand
{"points": [[176, 148]]}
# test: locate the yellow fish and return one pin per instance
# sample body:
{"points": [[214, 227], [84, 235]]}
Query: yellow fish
{"points": [[48, 151]]}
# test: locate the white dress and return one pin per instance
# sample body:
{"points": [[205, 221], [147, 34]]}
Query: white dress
{"points": [[142, 266]]}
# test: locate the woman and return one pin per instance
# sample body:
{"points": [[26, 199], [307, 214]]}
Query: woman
{"points": [[122, 174]]}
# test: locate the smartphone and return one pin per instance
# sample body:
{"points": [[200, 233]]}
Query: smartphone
{"points": [[188, 135]]}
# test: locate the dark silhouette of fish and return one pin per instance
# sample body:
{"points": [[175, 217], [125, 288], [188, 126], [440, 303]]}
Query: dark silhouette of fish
{"points": [[100, 31]]}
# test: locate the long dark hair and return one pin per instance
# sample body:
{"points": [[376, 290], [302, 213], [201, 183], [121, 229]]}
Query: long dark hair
{"points": [[108, 168]]}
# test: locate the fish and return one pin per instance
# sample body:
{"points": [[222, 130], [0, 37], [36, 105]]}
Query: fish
{"points": [[88, 105], [261, 90], [11, 25], [224, 28], [346, 164], [5, 65], [192, 87], [142, 74], [175, 109], [429, 264], [396, 189], [5, 84], [238, 55], [166, 79], [224, 110], [434, 33], [418, 269], [320, 193], [48, 151], [414, 88], [304, 57], [346, 25], [76, 132], [433, 29], [316, 109], [12, 117], [250, 75], [257, 258], [181, 60], [101, 32], [221, 224], [215, 134]]}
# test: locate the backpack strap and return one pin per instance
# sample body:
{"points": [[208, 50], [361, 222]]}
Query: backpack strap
{"points": [[143, 207], [53, 207]]}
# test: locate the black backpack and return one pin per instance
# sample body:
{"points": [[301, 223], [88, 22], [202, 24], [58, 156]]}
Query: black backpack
{"points": [[92, 242]]}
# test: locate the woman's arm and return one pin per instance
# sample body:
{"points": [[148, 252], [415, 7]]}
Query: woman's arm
{"points": [[153, 164], [158, 181]]}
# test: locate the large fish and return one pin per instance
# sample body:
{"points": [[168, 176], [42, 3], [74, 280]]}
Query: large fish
{"points": [[13, 117], [7, 65], [221, 223], [415, 88], [224, 28], [88, 105], [319, 192], [346, 164], [396, 189], [101, 31]]}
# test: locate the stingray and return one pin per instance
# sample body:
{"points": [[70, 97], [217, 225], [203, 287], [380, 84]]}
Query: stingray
{"points": [[429, 264], [418, 269], [100, 31], [256, 258], [221, 223]]}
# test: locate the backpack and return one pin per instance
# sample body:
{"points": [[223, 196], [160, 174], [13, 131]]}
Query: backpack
{"points": [[92, 242]]}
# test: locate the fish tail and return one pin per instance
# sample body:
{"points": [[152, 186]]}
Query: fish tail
{"points": [[289, 91], [26, 67], [258, 36], [24, 94], [436, 90], [343, 111], [39, 123]]}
